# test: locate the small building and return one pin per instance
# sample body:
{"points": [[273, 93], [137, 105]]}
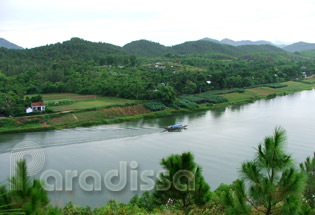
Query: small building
{"points": [[38, 106], [28, 110]]}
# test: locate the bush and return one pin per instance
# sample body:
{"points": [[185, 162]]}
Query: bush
{"points": [[154, 105], [306, 82], [218, 92], [203, 98], [271, 96], [6, 122], [276, 85], [186, 104]]}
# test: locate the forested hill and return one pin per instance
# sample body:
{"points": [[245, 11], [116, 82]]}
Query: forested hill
{"points": [[74, 51], [247, 49], [300, 46], [145, 48], [6, 44], [200, 47], [78, 51]]}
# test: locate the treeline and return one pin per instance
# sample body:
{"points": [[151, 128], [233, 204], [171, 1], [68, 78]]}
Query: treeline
{"points": [[84, 67], [269, 184]]}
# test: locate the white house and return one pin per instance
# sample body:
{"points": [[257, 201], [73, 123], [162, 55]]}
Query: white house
{"points": [[28, 110], [38, 106]]}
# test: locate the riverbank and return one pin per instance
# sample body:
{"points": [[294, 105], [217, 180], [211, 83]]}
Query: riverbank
{"points": [[135, 110]]}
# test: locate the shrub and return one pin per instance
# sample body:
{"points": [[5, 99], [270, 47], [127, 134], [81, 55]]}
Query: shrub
{"points": [[154, 105], [271, 96], [186, 104], [6, 122], [203, 98], [276, 85]]}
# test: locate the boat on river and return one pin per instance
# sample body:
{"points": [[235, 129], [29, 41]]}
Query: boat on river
{"points": [[175, 127]]}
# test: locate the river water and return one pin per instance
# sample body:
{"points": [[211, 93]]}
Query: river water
{"points": [[220, 140]]}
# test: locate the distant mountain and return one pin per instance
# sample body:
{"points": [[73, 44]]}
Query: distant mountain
{"points": [[211, 40], [299, 47], [238, 43], [247, 49], [6, 44], [228, 42], [145, 48], [203, 46], [245, 42]]}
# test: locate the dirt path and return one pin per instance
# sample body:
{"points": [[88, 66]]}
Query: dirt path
{"points": [[75, 117]]}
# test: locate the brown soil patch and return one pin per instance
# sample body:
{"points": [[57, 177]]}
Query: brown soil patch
{"points": [[124, 111]]}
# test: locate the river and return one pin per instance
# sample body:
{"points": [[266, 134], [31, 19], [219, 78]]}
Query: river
{"points": [[220, 140]]}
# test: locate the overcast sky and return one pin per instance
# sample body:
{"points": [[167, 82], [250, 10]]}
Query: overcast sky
{"points": [[31, 23]]}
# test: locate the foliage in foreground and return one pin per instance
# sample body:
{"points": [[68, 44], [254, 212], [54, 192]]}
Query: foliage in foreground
{"points": [[275, 186], [183, 185]]}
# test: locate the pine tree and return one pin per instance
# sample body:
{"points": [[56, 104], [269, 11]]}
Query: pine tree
{"points": [[183, 186], [308, 167], [274, 185], [26, 193]]}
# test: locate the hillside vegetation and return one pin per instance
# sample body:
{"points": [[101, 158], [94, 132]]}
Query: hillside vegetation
{"points": [[88, 68]]}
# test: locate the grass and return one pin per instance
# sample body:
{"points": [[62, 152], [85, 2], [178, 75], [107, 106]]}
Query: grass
{"points": [[96, 103], [263, 92], [81, 102]]}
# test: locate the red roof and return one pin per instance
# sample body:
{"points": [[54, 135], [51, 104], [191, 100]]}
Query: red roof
{"points": [[35, 104]]}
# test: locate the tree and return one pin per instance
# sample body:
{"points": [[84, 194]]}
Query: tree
{"points": [[275, 186], [27, 194], [183, 185], [308, 167], [166, 94], [146, 201]]}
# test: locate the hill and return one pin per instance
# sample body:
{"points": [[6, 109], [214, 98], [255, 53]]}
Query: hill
{"points": [[145, 48], [245, 42], [230, 42], [247, 49], [66, 54], [299, 47], [200, 47], [6, 44]]}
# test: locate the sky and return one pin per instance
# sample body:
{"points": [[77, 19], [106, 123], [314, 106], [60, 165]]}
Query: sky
{"points": [[32, 23]]}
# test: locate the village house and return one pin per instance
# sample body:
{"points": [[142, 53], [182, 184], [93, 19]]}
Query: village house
{"points": [[28, 110], [38, 106]]}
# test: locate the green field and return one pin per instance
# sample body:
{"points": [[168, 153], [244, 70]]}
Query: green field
{"points": [[261, 92], [81, 102]]}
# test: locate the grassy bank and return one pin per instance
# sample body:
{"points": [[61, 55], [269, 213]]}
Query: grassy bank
{"points": [[92, 110]]}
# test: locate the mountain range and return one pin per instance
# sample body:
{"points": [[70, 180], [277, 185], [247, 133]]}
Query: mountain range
{"points": [[295, 47], [145, 48]]}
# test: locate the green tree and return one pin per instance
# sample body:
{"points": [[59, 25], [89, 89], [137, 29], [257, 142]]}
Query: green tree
{"points": [[26, 193], [146, 201], [166, 94], [183, 185], [308, 167], [275, 186]]}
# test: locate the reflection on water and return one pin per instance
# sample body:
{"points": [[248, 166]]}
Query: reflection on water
{"points": [[220, 139]]}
